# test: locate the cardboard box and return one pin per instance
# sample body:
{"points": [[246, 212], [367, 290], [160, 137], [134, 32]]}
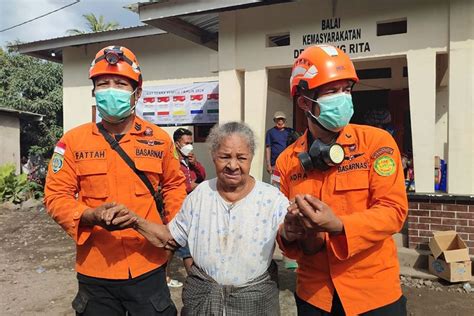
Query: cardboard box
{"points": [[450, 257]]}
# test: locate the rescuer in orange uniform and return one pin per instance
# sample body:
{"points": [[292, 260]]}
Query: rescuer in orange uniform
{"points": [[102, 203], [347, 185]]}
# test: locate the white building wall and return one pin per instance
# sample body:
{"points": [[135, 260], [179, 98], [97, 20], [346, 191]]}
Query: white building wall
{"points": [[304, 17], [461, 98], [10, 141]]}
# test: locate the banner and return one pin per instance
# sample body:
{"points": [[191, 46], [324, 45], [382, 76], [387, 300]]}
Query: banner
{"points": [[181, 104]]}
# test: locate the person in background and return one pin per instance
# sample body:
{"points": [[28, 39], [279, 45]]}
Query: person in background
{"points": [[192, 169], [100, 200], [347, 186], [25, 165], [195, 174], [381, 118], [276, 140]]}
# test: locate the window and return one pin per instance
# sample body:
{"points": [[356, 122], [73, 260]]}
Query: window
{"points": [[392, 27], [374, 73], [201, 132], [405, 71]]}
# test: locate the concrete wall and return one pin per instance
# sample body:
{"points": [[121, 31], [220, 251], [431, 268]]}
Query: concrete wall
{"points": [[10, 141], [461, 97]]}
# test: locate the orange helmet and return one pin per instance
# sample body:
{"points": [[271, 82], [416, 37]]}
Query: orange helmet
{"points": [[318, 65], [116, 60]]}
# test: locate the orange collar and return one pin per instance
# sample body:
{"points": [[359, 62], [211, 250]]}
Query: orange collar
{"points": [[346, 137], [138, 127]]}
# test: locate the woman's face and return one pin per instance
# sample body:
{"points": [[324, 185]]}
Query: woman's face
{"points": [[232, 160]]}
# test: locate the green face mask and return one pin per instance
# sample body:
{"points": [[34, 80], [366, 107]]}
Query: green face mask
{"points": [[114, 104], [335, 111]]}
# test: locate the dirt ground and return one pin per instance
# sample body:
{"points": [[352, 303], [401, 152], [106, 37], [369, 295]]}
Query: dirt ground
{"points": [[37, 273]]}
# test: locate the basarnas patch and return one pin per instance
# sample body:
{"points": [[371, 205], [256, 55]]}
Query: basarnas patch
{"points": [[57, 162], [385, 166]]}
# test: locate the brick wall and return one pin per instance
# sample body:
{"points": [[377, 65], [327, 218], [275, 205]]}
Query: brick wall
{"points": [[426, 216]]}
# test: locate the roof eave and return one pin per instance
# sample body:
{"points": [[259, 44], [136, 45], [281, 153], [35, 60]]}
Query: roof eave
{"points": [[44, 49], [23, 114]]}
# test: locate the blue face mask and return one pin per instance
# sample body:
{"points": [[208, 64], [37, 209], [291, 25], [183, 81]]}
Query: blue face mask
{"points": [[114, 104], [335, 111]]}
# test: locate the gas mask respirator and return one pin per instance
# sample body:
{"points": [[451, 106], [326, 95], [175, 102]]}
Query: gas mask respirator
{"points": [[321, 156]]}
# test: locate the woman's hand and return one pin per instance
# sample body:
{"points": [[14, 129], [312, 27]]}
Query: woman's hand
{"points": [[157, 234], [296, 229], [292, 228]]}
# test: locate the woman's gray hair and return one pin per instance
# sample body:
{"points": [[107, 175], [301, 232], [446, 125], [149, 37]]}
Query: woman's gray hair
{"points": [[220, 132]]}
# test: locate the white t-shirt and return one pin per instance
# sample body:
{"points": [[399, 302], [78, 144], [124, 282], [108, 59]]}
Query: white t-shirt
{"points": [[232, 243]]}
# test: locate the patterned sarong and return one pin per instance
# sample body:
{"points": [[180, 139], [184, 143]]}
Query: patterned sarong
{"points": [[202, 295]]}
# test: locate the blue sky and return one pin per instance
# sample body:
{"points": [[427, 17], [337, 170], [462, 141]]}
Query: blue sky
{"points": [[55, 25]]}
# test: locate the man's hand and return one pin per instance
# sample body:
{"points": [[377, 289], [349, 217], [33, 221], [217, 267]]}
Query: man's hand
{"points": [[110, 216], [120, 217], [193, 184], [94, 216], [294, 229], [317, 215], [191, 158], [269, 168]]}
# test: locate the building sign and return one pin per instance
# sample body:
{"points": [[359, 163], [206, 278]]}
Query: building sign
{"points": [[182, 104], [333, 32]]}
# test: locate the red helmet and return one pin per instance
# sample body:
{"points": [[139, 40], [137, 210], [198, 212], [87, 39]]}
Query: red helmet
{"points": [[318, 65], [116, 60]]}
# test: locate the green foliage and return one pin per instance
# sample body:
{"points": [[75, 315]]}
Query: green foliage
{"points": [[33, 85], [94, 25], [16, 188]]}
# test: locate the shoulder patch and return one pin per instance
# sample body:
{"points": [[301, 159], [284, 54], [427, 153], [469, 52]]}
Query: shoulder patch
{"points": [[57, 162], [382, 150], [385, 166]]}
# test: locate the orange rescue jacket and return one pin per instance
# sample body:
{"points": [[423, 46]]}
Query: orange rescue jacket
{"points": [[367, 193], [86, 172]]}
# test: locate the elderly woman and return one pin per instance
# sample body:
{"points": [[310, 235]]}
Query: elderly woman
{"points": [[230, 224]]}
